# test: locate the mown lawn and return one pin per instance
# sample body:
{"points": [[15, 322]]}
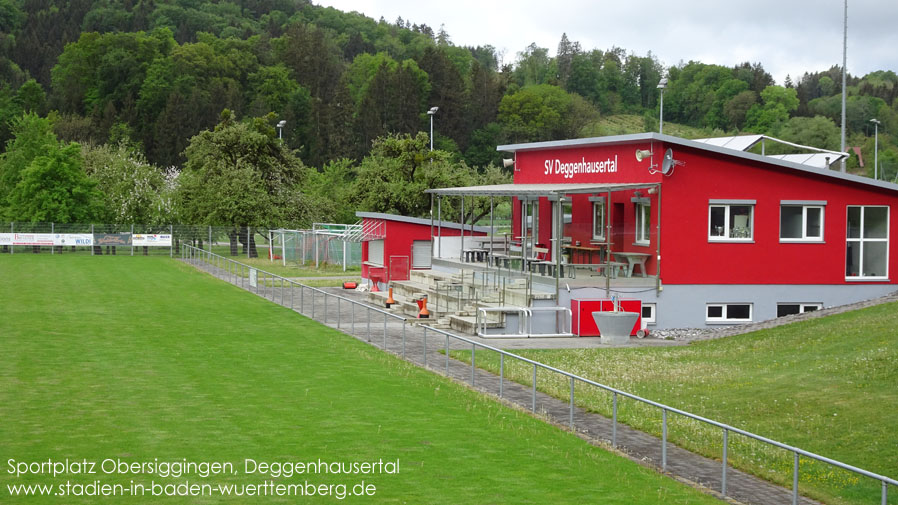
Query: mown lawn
{"points": [[827, 385], [144, 358]]}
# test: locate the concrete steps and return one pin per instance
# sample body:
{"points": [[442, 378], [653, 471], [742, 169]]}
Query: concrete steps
{"points": [[453, 298]]}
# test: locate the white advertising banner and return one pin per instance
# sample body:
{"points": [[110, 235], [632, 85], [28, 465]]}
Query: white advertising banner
{"points": [[47, 239], [32, 238], [162, 240], [78, 239]]}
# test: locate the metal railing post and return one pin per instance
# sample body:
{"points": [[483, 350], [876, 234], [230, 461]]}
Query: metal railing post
{"points": [[338, 312], [447, 355], [368, 311], [723, 477], [352, 315], [572, 405], [614, 420], [501, 373], [385, 331], [425, 346], [663, 440], [313, 304], [325, 307], [533, 403], [292, 289], [473, 350], [885, 493], [404, 324], [795, 481]]}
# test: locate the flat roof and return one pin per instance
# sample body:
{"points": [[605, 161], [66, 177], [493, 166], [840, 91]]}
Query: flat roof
{"points": [[420, 220], [699, 145], [537, 189]]}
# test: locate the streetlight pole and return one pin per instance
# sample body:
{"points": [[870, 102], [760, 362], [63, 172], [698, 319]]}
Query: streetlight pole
{"points": [[281, 124], [662, 85], [875, 148], [431, 112]]}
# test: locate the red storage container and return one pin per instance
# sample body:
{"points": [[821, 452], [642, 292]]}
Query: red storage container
{"points": [[582, 323]]}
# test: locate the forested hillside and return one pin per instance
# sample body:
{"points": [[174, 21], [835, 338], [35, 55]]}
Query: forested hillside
{"points": [[141, 80]]}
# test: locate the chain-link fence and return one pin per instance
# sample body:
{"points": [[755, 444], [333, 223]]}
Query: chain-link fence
{"points": [[131, 239]]}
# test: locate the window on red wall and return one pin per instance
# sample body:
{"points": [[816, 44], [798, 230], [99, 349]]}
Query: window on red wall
{"points": [[598, 220], [643, 222], [867, 242], [731, 221], [800, 222]]}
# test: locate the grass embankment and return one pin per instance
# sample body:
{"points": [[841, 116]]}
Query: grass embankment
{"points": [[143, 358], [827, 385]]}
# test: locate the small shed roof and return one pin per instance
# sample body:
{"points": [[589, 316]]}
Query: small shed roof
{"points": [[420, 220]]}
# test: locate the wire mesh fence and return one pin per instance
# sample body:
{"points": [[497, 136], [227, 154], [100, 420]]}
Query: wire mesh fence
{"points": [[298, 247]]}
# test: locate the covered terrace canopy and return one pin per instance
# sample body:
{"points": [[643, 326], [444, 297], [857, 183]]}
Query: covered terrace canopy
{"points": [[554, 192], [536, 190]]}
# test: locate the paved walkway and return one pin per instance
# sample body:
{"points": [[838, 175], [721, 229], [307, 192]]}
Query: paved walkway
{"points": [[427, 348]]}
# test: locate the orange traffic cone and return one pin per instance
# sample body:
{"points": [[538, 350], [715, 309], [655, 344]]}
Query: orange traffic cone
{"points": [[390, 301], [423, 313]]}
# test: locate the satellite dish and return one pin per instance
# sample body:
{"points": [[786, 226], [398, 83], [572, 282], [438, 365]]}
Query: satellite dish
{"points": [[669, 162], [642, 154]]}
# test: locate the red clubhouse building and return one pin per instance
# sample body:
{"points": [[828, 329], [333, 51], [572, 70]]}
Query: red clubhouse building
{"points": [[702, 232]]}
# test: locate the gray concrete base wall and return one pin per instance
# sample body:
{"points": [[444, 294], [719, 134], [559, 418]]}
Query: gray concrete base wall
{"points": [[684, 306]]}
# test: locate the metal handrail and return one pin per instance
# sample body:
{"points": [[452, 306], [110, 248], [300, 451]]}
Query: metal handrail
{"points": [[565, 312], [573, 377], [480, 324]]}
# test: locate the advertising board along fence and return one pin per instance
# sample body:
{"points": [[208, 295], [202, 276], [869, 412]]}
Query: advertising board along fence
{"points": [[266, 284]]}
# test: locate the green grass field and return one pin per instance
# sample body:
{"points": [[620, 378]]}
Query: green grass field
{"points": [[827, 385], [143, 358]]}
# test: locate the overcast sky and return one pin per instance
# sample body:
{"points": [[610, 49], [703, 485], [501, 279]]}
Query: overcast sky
{"points": [[786, 36]]}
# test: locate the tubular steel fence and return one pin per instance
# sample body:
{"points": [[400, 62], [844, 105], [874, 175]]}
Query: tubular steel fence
{"points": [[411, 340]]}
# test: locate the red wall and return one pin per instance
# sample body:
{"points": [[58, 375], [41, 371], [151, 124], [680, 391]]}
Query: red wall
{"points": [[399, 238], [620, 166], [689, 258], [687, 255]]}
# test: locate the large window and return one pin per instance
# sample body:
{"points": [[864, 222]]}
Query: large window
{"points": [[728, 312], [801, 222], [867, 242], [731, 221], [598, 220], [643, 222]]}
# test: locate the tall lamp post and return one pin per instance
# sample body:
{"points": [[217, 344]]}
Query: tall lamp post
{"points": [[875, 147], [431, 112], [281, 124], [662, 85]]}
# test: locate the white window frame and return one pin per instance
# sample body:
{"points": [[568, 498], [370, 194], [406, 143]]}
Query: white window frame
{"points": [[725, 319], [802, 307], [861, 240], [596, 206], [804, 220], [726, 205], [643, 233], [654, 313]]}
